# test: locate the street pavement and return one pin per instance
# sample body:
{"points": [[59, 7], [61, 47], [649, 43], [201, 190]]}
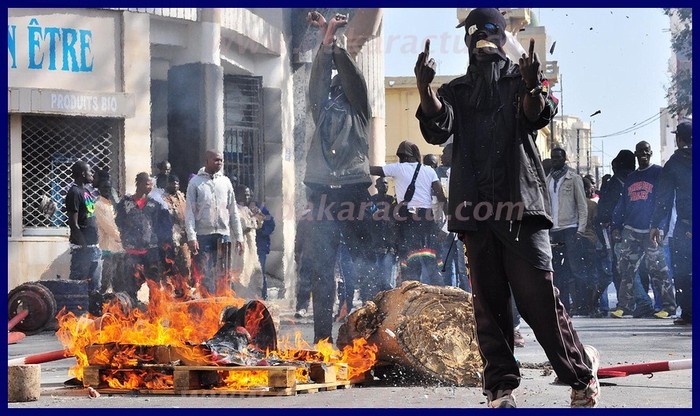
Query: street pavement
{"points": [[620, 342]]}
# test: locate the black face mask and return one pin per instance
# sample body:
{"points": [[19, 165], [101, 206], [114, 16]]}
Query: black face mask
{"points": [[485, 35]]}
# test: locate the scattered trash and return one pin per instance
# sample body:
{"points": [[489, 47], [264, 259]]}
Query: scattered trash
{"points": [[93, 393]]}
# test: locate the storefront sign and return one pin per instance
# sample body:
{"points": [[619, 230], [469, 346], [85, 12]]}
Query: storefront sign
{"points": [[49, 49], [25, 100]]}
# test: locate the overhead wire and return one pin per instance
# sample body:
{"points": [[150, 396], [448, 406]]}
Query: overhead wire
{"points": [[635, 126]]}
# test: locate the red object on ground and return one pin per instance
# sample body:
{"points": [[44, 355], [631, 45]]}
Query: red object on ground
{"points": [[15, 337], [644, 368], [43, 357], [17, 318]]}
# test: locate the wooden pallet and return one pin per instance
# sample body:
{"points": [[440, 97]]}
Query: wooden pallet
{"points": [[194, 380]]}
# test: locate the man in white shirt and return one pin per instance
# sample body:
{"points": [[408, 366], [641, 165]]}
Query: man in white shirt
{"points": [[211, 218], [415, 216]]}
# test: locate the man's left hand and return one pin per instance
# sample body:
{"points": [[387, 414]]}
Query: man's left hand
{"points": [[239, 248], [530, 67]]}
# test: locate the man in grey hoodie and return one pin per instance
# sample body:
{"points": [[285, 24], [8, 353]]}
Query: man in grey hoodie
{"points": [[211, 219]]}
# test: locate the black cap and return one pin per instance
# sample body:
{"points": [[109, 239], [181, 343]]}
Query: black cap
{"points": [[684, 129], [484, 15]]}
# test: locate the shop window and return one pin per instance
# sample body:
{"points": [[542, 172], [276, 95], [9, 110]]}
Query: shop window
{"points": [[243, 138], [50, 146]]}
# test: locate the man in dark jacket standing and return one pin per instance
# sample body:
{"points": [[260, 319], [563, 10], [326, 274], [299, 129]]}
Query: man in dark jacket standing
{"points": [[145, 226], [337, 174], [676, 184], [623, 164], [494, 112]]}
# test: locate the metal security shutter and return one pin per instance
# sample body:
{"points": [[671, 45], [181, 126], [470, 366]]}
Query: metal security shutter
{"points": [[243, 126], [50, 146]]}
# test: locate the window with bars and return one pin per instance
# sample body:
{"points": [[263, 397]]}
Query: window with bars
{"points": [[50, 146], [243, 123]]}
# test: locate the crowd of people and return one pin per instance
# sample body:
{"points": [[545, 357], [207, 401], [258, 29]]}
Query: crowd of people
{"points": [[488, 216], [623, 234], [212, 239]]}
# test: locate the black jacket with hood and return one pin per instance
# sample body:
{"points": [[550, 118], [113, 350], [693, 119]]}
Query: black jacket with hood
{"points": [[526, 178], [676, 183]]}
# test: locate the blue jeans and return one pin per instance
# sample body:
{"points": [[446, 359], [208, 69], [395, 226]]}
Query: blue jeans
{"points": [[262, 257], [572, 269], [682, 265], [86, 264], [455, 265], [206, 259], [348, 273]]}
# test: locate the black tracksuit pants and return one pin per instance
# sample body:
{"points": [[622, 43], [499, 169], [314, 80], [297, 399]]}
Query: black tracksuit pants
{"points": [[494, 264]]}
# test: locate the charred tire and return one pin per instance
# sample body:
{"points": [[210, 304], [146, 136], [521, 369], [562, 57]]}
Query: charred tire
{"points": [[40, 303]]}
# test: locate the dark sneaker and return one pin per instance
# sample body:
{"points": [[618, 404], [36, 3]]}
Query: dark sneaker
{"points": [[599, 314], [682, 321], [507, 401], [644, 312], [590, 395], [518, 339]]}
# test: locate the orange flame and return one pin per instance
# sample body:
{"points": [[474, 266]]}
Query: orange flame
{"points": [[118, 339], [240, 380]]}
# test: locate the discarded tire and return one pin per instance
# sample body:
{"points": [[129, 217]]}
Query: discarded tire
{"points": [[69, 294], [38, 301], [122, 299]]}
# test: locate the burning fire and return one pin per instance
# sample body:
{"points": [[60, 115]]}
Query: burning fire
{"points": [[124, 339]]}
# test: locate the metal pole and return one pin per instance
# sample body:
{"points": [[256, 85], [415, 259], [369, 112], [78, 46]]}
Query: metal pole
{"points": [[578, 151], [590, 144]]}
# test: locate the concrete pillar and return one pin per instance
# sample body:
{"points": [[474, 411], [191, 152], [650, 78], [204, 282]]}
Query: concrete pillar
{"points": [[137, 82], [370, 59], [196, 97]]}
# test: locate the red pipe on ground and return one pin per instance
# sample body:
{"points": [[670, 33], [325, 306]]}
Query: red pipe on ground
{"points": [[644, 368], [43, 357], [15, 337], [17, 318]]}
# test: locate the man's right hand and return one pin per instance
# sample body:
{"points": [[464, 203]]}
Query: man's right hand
{"points": [[317, 20], [425, 67], [194, 246]]}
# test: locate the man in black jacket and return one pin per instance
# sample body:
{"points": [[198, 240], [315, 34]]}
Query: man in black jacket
{"points": [[676, 185], [623, 164], [337, 174], [494, 112]]}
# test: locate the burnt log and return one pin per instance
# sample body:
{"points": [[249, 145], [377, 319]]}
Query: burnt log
{"points": [[426, 329]]}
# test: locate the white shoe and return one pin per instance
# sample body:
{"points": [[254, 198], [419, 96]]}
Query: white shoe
{"points": [[589, 396]]}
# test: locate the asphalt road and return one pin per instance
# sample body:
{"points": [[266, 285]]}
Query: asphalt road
{"points": [[620, 342]]}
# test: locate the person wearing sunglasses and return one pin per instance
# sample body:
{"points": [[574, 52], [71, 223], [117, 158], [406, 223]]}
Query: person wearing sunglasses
{"points": [[493, 112]]}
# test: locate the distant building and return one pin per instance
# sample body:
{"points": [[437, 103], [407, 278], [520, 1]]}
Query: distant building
{"points": [[574, 136], [668, 122]]}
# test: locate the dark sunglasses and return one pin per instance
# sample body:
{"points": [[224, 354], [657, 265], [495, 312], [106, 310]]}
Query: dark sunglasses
{"points": [[491, 28], [643, 153]]}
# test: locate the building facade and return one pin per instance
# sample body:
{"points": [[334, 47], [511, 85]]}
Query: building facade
{"points": [[124, 89]]}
